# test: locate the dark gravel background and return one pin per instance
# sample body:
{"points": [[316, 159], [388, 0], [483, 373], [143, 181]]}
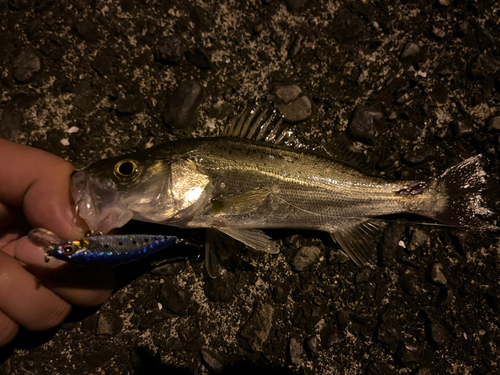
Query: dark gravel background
{"points": [[417, 83]]}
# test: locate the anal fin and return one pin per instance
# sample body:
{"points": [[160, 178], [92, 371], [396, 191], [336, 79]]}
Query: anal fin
{"points": [[358, 238]]}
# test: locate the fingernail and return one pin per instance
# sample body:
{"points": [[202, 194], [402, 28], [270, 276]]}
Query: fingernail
{"points": [[28, 253]]}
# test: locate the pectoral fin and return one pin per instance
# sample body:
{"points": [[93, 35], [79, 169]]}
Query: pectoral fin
{"points": [[240, 204], [253, 238], [358, 239]]}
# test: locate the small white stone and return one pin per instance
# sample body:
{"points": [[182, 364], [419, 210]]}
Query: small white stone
{"points": [[73, 129], [160, 306], [402, 244], [64, 142], [422, 74]]}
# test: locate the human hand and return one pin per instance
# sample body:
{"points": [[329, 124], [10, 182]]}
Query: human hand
{"points": [[34, 192]]}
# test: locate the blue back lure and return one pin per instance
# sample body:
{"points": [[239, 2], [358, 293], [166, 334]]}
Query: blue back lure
{"points": [[96, 250]]}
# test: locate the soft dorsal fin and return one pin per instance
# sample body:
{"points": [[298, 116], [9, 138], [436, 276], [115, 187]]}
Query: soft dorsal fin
{"points": [[261, 122], [358, 239]]}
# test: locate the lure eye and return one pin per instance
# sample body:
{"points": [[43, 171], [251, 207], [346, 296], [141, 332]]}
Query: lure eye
{"points": [[69, 249], [127, 169]]}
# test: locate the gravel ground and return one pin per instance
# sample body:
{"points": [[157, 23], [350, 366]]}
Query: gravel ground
{"points": [[415, 83]]}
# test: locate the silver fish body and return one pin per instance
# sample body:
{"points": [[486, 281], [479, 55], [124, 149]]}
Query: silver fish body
{"points": [[239, 185]]}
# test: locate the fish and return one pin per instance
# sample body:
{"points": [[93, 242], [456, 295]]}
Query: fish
{"points": [[97, 250], [258, 175]]}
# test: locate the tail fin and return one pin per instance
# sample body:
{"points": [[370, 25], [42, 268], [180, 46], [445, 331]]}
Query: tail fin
{"points": [[463, 185]]}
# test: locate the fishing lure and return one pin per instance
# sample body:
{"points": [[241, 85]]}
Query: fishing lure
{"points": [[100, 249]]}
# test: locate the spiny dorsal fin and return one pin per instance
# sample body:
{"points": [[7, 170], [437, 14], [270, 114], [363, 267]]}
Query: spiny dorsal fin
{"points": [[261, 122], [358, 239]]}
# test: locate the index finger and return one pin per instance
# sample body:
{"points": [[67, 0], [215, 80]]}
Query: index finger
{"points": [[39, 182]]}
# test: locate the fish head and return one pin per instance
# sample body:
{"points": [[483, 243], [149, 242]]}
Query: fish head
{"points": [[146, 186]]}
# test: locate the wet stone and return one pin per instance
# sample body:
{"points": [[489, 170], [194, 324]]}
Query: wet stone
{"points": [[181, 108], [494, 124], [198, 58], [389, 332], [414, 158], [286, 93], [281, 292], [26, 66], [311, 346], [408, 352], [295, 351], [461, 128], [169, 51], [297, 110], [444, 297], [130, 106], [174, 298], [363, 124], [109, 323], [255, 332], [220, 289], [365, 275], [305, 257], [411, 52], [437, 275], [419, 239], [438, 32], [211, 361]]}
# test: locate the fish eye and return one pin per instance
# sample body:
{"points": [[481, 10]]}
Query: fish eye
{"points": [[127, 169], [69, 249]]}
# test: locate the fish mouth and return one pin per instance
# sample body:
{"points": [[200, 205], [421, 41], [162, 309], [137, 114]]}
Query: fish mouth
{"points": [[98, 203]]}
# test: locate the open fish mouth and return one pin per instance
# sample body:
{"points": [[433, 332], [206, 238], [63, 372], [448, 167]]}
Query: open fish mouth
{"points": [[97, 203]]}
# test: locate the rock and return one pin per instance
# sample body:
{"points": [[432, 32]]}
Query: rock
{"points": [[26, 66], [286, 93], [255, 332], [305, 257], [174, 298], [296, 46], [295, 6], [438, 32], [297, 110], [306, 316], [444, 297], [295, 351], [88, 31], [102, 64], [414, 158], [169, 51], [220, 289], [408, 352], [10, 123], [281, 292], [311, 346], [389, 332], [198, 58], [130, 106], [181, 108], [362, 126], [460, 129], [409, 284], [436, 334], [411, 53], [109, 323], [53, 49], [494, 124], [364, 275], [444, 3], [212, 361], [437, 275], [419, 239], [330, 336]]}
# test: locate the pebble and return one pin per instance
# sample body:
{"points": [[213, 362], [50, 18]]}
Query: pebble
{"points": [[437, 275], [53, 49], [256, 330], [174, 298], [440, 33], [292, 103], [295, 351], [311, 346], [211, 361], [220, 289], [436, 334], [408, 352], [87, 30], [64, 142], [181, 108], [296, 46], [198, 58], [306, 256], [414, 158], [411, 52], [102, 64], [73, 129], [362, 126], [26, 66], [109, 323], [444, 3], [281, 292], [389, 332], [444, 297], [409, 284], [461, 128], [494, 124], [330, 336], [364, 275], [169, 51], [419, 239]]}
